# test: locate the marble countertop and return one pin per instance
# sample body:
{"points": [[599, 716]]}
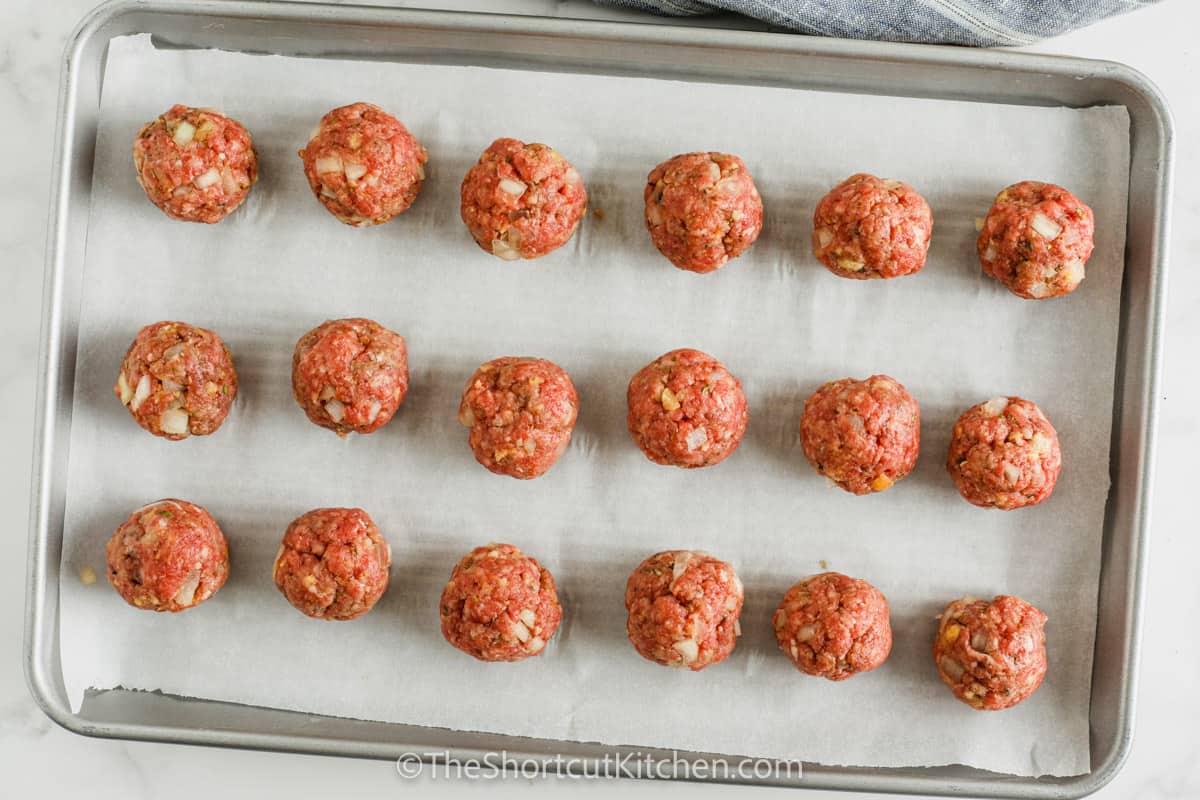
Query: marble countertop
{"points": [[35, 754]]}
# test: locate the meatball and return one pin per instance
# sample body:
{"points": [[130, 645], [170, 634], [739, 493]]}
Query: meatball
{"points": [[177, 380], [168, 556], [686, 410], [992, 655], [862, 435], [499, 604], [195, 164], [833, 626], [1004, 454], [522, 200], [350, 375], [702, 209], [363, 165], [1036, 239], [333, 563], [683, 609], [521, 412], [867, 227]]}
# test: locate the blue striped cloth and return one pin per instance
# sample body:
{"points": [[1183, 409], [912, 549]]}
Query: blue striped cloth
{"points": [[983, 23]]}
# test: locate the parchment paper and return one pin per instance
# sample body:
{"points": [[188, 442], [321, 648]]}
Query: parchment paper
{"points": [[602, 306]]}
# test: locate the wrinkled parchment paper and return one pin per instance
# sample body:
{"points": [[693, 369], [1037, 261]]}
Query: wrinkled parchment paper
{"points": [[602, 306]]}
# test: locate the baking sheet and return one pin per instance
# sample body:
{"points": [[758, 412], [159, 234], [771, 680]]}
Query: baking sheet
{"points": [[601, 307]]}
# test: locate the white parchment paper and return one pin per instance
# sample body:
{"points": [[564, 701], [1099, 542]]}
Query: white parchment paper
{"points": [[602, 306]]}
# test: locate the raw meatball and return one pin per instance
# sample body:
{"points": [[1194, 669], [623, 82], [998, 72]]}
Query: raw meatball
{"points": [[1004, 454], [686, 410], [992, 655], [702, 209], [168, 556], [521, 412], [363, 165], [350, 375], [872, 228], [833, 626], [1036, 239], [195, 164], [177, 380], [333, 563], [683, 609], [862, 435], [500, 605], [522, 200]]}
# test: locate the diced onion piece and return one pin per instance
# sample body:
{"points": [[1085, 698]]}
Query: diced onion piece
{"points": [[824, 237], [509, 186], [336, 410], [327, 192], [695, 438], [979, 641], [714, 171], [1073, 272], [174, 421], [573, 177], [680, 565], [125, 389], [383, 551], [228, 182], [184, 133], [1040, 443], [1044, 226], [173, 351], [737, 627], [504, 250], [187, 590], [420, 172], [373, 414], [952, 668], [738, 586], [979, 223], [654, 214], [891, 184], [170, 385], [669, 401], [141, 393], [806, 632], [1012, 473], [355, 171], [316, 129], [327, 393], [535, 644], [850, 265], [328, 164], [528, 617], [1039, 290], [87, 575], [989, 254], [466, 416], [521, 632], [995, 407], [688, 649], [207, 179]]}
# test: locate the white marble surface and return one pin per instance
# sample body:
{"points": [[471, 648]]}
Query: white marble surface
{"points": [[38, 758]]}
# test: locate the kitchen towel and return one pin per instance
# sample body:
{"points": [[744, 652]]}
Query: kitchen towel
{"points": [[981, 23]]}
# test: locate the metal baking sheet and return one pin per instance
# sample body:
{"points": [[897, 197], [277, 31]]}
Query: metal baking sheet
{"points": [[576, 64]]}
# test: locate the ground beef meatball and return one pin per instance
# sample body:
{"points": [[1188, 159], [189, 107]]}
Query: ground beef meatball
{"points": [[702, 209], [683, 609], [350, 375], [195, 164], [867, 227], [1004, 454], [1036, 239], [168, 556], [363, 165], [521, 412], [833, 626], [992, 655], [862, 435], [177, 380], [500, 604], [522, 200], [686, 410], [333, 563]]}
